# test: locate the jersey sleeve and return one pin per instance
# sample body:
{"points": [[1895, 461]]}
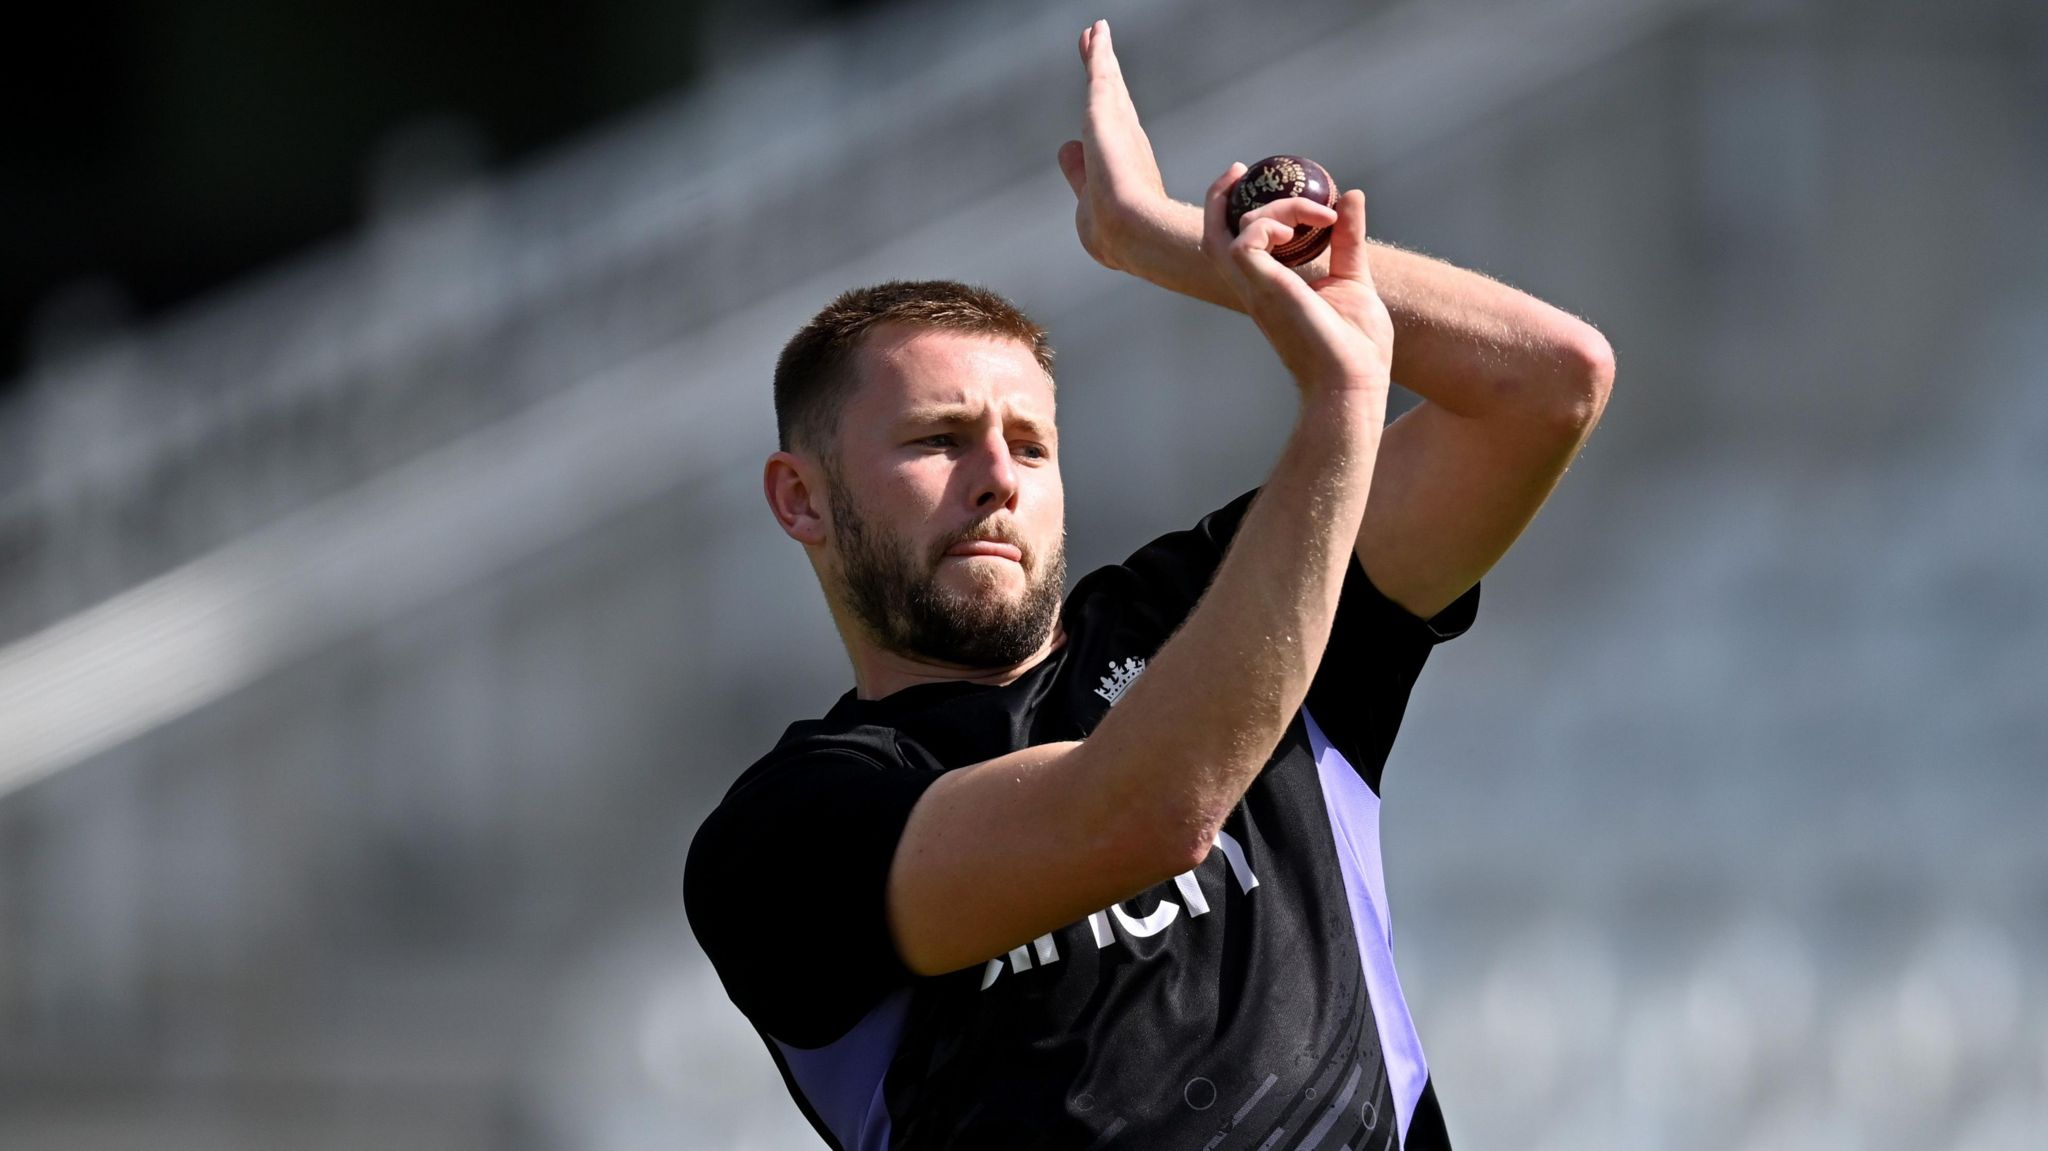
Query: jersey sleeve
{"points": [[1376, 649], [785, 888], [1376, 652]]}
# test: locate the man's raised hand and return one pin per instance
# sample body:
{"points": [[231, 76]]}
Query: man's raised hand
{"points": [[1117, 189], [1333, 334]]}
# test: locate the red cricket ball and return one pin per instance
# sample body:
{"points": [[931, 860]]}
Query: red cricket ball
{"points": [[1277, 178]]}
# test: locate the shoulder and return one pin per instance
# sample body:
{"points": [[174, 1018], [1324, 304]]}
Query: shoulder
{"points": [[811, 750], [809, 776], [1171, 571], [1201, 546], [794, 864]]}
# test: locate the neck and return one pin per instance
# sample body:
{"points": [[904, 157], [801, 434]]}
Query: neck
{"points": [[877, 673]]}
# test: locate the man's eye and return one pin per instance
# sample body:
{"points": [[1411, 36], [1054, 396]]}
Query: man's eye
{"points": [[1034, 451], [939, 441]]}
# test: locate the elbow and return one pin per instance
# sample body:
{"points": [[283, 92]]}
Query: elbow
{"points": [[1143, 835], [1183, 843], [1157, 838], [1141, 853], [1187, 850], [1584, 380]]}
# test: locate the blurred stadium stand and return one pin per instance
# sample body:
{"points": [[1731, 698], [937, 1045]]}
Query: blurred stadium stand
{"points": [[374, 635]]}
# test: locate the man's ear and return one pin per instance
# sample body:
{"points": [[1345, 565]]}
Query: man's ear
{"points": [[795, 494]]}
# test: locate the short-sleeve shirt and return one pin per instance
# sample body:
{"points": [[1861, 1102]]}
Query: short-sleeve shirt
{"points": [[1249, 1003]]}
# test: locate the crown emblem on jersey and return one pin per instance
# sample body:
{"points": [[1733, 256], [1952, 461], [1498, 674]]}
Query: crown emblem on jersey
{"points": [[1121, 676]]}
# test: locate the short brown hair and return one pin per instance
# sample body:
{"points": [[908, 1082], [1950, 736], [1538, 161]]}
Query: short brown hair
{"points": [[813, 374]]}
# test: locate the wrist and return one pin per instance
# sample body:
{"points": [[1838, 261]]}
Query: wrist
{"points": [[1343, 407], [1160, 243]]}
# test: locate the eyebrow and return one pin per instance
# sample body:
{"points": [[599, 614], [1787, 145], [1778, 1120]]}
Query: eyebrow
{"points": [[959, 414]]}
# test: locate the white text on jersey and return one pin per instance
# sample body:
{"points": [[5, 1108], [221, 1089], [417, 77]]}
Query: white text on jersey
{"points": [[1046, 951]]}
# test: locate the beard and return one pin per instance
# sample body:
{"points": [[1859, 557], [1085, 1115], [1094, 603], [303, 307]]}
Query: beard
{"points": [[896, 595]]}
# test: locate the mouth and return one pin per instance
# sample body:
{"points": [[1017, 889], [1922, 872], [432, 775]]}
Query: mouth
{"points": [[994, 548]]}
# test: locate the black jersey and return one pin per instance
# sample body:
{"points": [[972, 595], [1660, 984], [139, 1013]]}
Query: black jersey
{"points": [[1249, 1003]]}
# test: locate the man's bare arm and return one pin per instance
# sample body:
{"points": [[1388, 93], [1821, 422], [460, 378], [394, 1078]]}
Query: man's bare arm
{"points": [[1512, 386], [995, 854]]}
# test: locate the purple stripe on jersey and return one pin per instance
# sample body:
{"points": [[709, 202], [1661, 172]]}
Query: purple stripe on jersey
{"points": [[842, 1081], [1355, 825]]}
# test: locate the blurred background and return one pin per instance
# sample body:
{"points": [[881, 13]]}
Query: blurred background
{"points": [[385, 591]]}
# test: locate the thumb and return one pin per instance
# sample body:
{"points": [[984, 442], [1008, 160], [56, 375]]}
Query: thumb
{"points": [[1073, 166], [1347, 245]]}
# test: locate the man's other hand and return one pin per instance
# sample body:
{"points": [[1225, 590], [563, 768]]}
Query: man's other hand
{"points": [[1118, 193], [1334, 334]]}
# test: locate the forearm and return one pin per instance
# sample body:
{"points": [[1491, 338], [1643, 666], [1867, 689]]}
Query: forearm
{"points": [[1479, 348], [1463, 341], [1166, 250], [1189, 737]]}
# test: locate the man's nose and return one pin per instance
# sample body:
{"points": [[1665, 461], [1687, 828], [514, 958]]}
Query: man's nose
{"points": [[995, 481]]}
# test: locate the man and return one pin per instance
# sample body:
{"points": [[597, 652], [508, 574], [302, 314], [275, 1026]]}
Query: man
{"points": [[1105, 873]]}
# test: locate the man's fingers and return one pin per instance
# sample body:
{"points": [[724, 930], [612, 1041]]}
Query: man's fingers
{"points": [[1265, 280], [1293, 211], [1074, 166], [1262, 235], [1347, 240], [1215, 214], [1247, 258], [1107, 95], [1100, 54]]}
